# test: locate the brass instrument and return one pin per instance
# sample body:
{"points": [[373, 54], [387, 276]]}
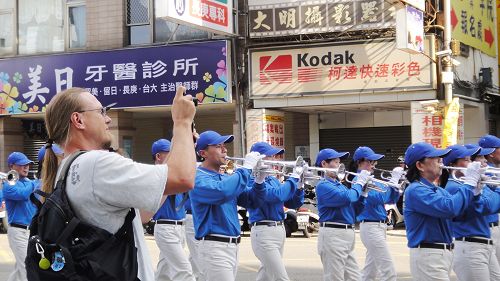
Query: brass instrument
{"points": [[485, 179], [370, 184], [263, 166], [11, 177]]}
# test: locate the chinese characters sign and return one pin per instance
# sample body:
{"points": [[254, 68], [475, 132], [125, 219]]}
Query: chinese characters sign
{"points": [[265, 125], [333, 69], [428, 123], [130, 77], [212, 15], [473, 24], [282, 17]]}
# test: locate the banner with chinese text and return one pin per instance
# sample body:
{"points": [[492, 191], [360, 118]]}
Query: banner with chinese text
{"points": [[352, 67], [265, 125], [130, 77], [473, 23], [282, 17], [450, 126], [427, 123]]}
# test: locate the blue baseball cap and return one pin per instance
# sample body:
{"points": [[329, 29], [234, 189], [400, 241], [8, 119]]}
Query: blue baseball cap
{"points": [[482, 151], [41, 153], [161, 145], [211, 138], [328, 153], [420, 150], [264, 148], [364, 152], [459, 151], [489, 141], [18, 158]]}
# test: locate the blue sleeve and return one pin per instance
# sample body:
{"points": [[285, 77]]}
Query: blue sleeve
{"points": [[439, 204], [297, 200], [252, 197], [211, 191], [488, 203], [18, 192], [277, 192], [359, 205], [332, 196]]}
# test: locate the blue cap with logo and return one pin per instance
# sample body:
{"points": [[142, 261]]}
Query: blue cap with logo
{"points": [[459, 151], [328, 153], [364, 152], [489, 141], [18, 158], [266, 149], [211, 138], [422, 150], [161, 145], [482, 151], [41, 153]]}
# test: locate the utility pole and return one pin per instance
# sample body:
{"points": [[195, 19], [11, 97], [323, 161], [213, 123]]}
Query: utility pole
{"points": [[447, 72]]}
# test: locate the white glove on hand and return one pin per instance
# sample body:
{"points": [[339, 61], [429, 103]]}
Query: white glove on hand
{"points": [[396, 175], [297, 172], [251, 160], [260, 177], [472, 176], [363, 177]]}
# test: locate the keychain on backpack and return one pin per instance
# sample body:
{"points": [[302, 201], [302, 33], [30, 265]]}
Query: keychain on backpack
{"points": [[58, 261], [44, 263]]}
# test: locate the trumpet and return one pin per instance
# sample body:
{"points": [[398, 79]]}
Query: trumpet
{"points": [[11, 177], [371, 183], [384, 176], [485, 179], [263, 165]]}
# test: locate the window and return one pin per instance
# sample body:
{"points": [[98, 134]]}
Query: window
{"points": [[138, 21], [164, 30], [7, 27], [41, 26], [77, 26]]}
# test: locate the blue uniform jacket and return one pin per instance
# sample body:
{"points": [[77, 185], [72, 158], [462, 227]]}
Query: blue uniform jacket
{"points": [[17, 201], [275, 195], [473, 222], [214, 199], [373, 208], [168, 212], [429, 210], [492, 218], [187, 205], [336, 201]]}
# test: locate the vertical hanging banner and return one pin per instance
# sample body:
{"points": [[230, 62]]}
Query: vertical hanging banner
{"points": [[450, 126], [473, 23], [410, 29], [265, 125], [428, 123]]}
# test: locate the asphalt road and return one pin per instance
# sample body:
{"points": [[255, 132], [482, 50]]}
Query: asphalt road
{"points": [[301, 258]]}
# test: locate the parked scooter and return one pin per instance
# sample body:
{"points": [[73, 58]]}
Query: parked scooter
{"points": [[305, 218]]}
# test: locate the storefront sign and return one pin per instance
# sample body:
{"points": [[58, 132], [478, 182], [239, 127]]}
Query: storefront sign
{"points": [[212, 15], [265, 125], [419, 4], [129, 77], [286, 17], [360, 67], [428, 123], [473, 23], [410, 29]]}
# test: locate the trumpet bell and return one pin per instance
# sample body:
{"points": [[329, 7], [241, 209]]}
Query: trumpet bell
{"points": [[11, 177]]}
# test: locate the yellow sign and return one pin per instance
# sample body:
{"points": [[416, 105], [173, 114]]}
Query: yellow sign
{"points": [[473, 23], [450, 126]]}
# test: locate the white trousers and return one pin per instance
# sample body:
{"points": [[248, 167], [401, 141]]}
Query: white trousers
{"points": [[475, 262], [430, 264], [192, 244], [267, 245], [18, 242], [218, 260], [173, 263], [336, 249], [378, 257], [495, 236]]}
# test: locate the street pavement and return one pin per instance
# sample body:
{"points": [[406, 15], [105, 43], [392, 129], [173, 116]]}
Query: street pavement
{"points": [[301, 257]]}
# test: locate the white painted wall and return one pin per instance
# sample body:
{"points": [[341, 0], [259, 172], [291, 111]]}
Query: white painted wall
{"points": [[469, 67], [365, 119]]}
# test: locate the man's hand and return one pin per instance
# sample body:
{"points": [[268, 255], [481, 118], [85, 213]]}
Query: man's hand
{"points": [[183, 109]]}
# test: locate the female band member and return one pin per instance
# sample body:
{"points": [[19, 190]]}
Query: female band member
{"points": [[429, 210]]}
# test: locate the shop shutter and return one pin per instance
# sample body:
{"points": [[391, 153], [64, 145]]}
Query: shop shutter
{"points": [[31, 148], [390, 141]]}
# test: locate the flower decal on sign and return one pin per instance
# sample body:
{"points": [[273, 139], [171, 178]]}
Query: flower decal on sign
{"points": [[217, 91], [9, 95], [17, 77]]}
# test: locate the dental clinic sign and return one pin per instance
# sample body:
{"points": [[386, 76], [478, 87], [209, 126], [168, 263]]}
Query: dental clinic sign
{"points": [[212, 15], [359, 67]]}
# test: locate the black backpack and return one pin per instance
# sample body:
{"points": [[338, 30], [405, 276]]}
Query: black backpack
{"points": [[75, 250]]}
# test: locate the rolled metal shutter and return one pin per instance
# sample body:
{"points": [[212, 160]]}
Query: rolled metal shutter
{"points": [[390, 141], [31, 148]]}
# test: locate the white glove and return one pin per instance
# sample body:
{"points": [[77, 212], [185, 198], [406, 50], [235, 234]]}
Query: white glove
{"points": [[297, 172], [260, 176], [365, 191], [363, 178], [472, 176], [251, 160], [396, 175]]}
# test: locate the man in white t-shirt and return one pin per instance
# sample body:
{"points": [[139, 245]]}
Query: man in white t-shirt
{"points": [[102, 186]]}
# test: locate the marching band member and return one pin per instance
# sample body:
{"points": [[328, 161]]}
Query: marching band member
{"points": [[474, 254], [20, 211], [429, 210], [372, 218], [173, 263], [493, 159], [268, 232], [336, 238], [213, 202]]}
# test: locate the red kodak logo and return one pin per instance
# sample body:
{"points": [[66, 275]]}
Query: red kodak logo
{"points": [[277, 69]]}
